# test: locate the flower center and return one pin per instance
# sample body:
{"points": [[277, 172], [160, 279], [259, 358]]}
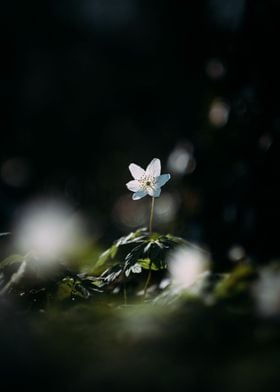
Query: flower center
{"points": [[147, 182]]}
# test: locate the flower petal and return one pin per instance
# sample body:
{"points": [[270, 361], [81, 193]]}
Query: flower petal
{"points": [[138, 195], [162, 180], [154, 192], [136, 171], [134, 185], [153, 168]]}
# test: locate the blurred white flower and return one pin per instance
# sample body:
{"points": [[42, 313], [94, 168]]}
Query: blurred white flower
{"points": [[186, 264], [135, 268], [147, 182], [49, 229], [267, 292]]}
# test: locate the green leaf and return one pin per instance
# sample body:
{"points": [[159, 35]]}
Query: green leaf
{"points": [[236, 283], [146, 264], [147, 249], [113, 251], [10, 260], [65, 289]]}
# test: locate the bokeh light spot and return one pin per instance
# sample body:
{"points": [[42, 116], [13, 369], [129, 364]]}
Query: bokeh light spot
{"points": [[218, 113], [15, 172]]}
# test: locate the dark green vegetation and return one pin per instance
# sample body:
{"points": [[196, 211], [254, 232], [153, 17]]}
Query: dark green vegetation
{"points": [[73, 331]]}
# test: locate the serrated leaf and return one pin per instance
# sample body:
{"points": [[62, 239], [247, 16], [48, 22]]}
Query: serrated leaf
{"points": [[147, 249]]}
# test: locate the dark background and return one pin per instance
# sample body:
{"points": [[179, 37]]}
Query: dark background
{"points": [[99, 84]]}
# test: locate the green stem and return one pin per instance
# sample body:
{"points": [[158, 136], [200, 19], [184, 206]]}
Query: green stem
{"points": [[148, 280], [152, 215], [124, 294]]}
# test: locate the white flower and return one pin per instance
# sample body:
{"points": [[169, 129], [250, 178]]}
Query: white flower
{"points": [[135, 268], [147, 182]]}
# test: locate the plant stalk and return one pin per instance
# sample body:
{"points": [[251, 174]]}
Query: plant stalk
{"points": [[152, 215], [124, 294], [148, 280]]}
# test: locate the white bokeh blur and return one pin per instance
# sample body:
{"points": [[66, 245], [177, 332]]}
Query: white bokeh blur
{"points": [[186, 264], [218, 114], [181, 159], [266, 293], [48, 229]]}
